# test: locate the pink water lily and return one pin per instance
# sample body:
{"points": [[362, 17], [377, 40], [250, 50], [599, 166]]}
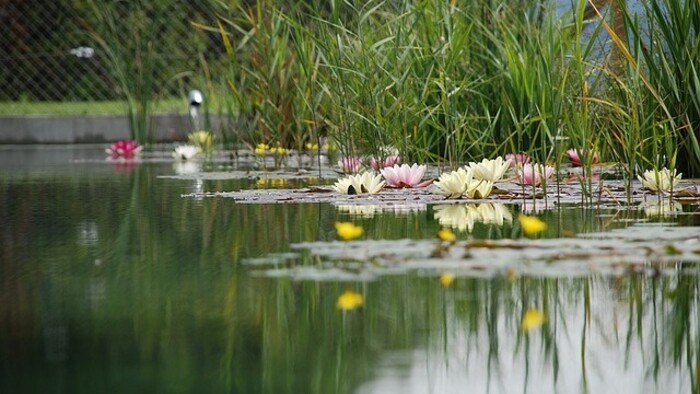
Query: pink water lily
{"points": [[350, 165], [124, 149], [534, 174], [576, 158], [389, 161], [517, 159], [404, 175]]}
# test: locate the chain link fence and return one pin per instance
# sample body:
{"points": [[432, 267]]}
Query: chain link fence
{"points": [[65, 50]]}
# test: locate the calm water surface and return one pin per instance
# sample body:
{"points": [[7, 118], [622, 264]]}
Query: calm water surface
{"points": [[113, 282]]}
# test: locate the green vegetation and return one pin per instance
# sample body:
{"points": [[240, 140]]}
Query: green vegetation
{"points": [[459, 82], [73, 108]]}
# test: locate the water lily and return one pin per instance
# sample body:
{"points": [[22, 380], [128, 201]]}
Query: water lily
{"points": [[350, 165], [261, 149], [349, 300], [185, 152], [490, 170], [279, 151], [446, 279], [348, 231], [531, 225], [365, 183], [664, 180], [517, 159], [534, 174], [576, 158], [479, 189], [532, 319], [203, 140], [389, 161], [404, 175], [445, 234], [124, 149], [453, 184]]}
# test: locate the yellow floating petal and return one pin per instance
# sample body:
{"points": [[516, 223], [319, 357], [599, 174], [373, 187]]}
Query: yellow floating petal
{"points": [[445, 234], [533, 318], [531, 225], [446, 279], [347, 230], [349, 300]]}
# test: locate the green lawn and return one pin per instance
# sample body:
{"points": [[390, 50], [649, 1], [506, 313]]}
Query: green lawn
{"points": [[68, 108]]}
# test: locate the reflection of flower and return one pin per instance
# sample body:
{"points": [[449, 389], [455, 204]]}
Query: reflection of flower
{"points": [[203, 140], [661, 208], [517, 159], [186, 167], [536, 206], [534, 174], [124, 149], [660, 181], [577, 158], [489, 170], [365, 183], [185, 152], [350, 165], [362, 210], [403, 176], [348, 231], [453, 184], [464, 216], [349, 300]]}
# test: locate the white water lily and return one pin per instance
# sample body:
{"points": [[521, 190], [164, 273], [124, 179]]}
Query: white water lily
{"points": [[490, 170], [453, 184], [479, 189], [185, 152], [660, 181], [364, 183]]}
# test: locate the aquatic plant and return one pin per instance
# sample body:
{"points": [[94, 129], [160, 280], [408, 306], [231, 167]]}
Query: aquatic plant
{"points": [[453, 184], [663, 180], [446, 279], [348, 231], [531, 225], [490, 170], [185, 152], [404, 175], [364, 183], [534, 174], [578, 159], [532, 319], [203, 140], [350, 165], [124, 149], [349, 300], [517, 159]]}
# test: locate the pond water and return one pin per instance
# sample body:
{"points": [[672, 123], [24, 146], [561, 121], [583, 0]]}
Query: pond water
{"points": [[117, 278]]}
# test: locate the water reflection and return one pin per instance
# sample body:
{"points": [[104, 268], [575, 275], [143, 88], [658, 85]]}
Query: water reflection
{"points": [[463, 216], [118, 284]]}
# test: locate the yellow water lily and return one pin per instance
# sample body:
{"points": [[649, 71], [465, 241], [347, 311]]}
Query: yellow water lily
{"points": [[349, 300], [261, 149], [663, 180], [532, 319], [490, 170], [453, 184], [203, 140], [445, 234], [446, 279], [531, 225], [364, 183], [278, 150], [348, 231]]}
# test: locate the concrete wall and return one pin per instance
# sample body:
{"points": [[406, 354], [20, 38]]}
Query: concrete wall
{"points": [[86, 129]]}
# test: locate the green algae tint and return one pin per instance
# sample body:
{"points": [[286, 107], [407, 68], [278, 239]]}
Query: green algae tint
{"points": [[134, 277]]}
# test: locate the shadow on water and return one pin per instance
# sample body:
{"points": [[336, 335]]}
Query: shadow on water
{"points": [[113, 282]]}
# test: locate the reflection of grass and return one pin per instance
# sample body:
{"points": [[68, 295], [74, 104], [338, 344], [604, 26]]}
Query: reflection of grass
{"points": [[72, 108]]}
